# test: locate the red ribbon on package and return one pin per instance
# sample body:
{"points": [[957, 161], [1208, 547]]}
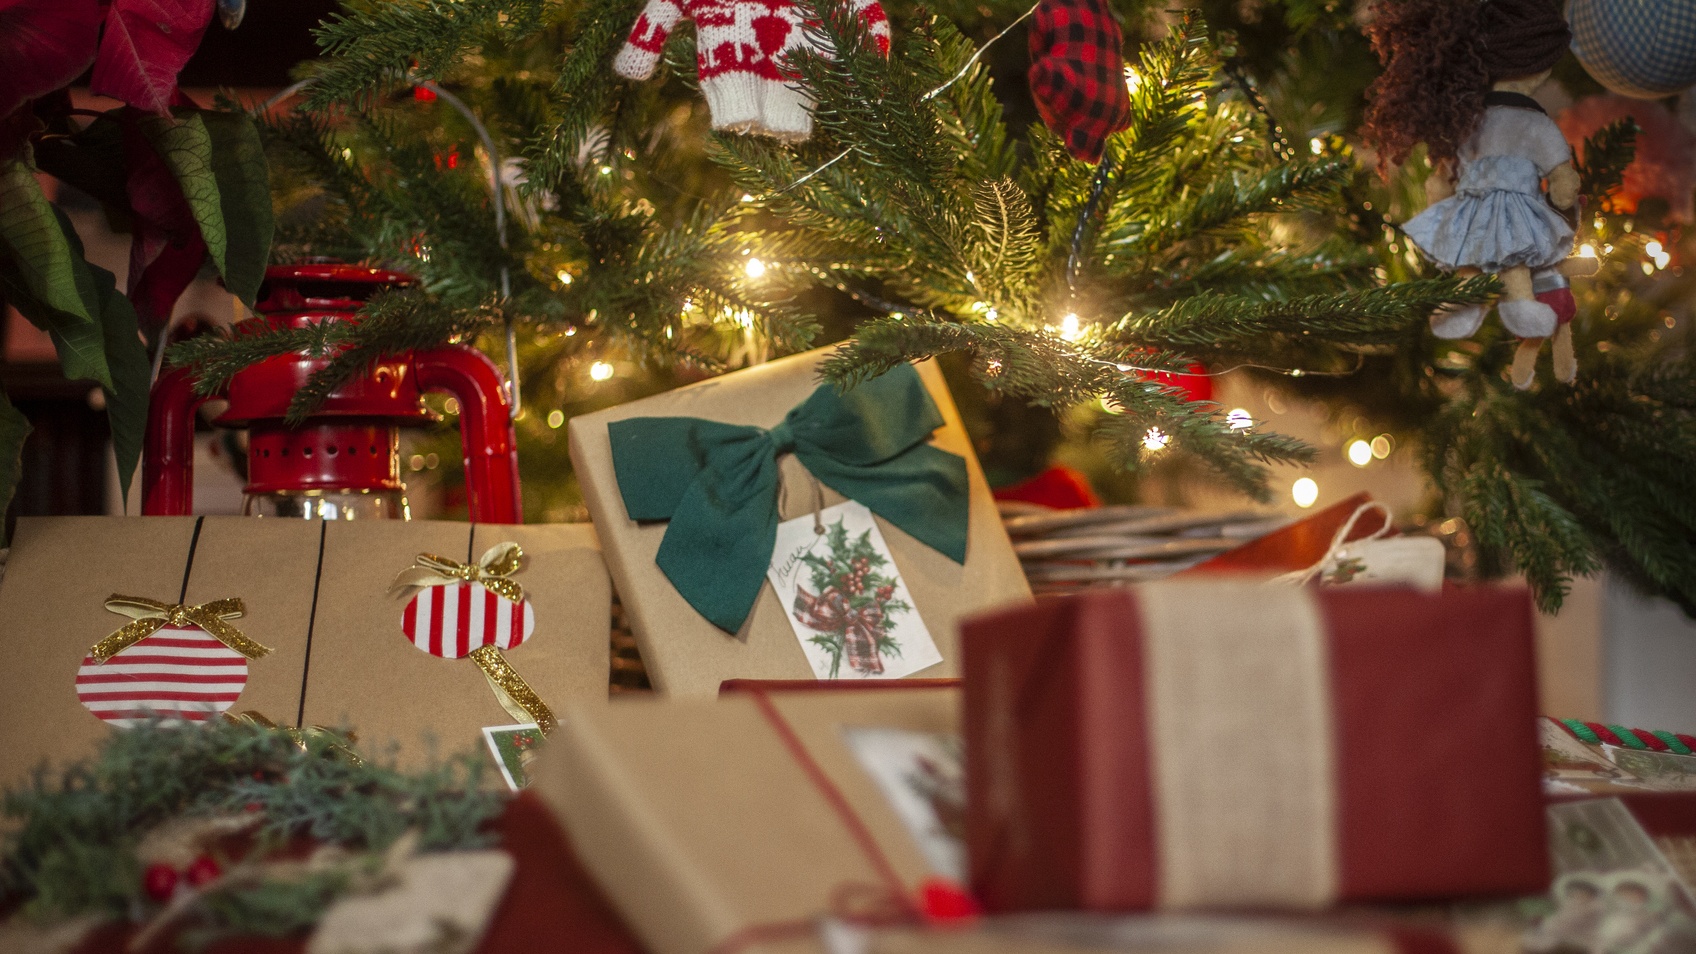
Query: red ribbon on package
{"points": [[887, 904]]}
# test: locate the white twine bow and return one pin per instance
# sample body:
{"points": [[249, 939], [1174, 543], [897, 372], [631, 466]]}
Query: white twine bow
{"points": [[1339, 549]]}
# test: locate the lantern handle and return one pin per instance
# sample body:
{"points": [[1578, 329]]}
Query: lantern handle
{"points": [[497, 196]]}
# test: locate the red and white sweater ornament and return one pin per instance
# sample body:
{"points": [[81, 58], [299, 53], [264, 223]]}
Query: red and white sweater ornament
{"points": [[740, 48]]}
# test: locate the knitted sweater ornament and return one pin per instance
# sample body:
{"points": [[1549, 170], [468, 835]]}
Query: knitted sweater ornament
{"points": [[740, 49]]}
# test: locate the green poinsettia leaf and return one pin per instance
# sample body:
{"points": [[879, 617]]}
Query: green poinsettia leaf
{"points": [[39, 252], [244, 194], [68, 310], [184, 142], [14, 429], [124, 355]]}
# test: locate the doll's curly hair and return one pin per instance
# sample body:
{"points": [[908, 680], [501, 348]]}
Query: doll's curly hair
{"points": [[1440, 57], [1434, 80]]}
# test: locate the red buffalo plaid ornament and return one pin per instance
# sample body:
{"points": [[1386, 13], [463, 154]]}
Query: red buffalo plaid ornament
{"points": [[1078, 74]]}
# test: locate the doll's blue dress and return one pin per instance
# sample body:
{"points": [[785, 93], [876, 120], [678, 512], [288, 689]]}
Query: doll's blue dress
{"points": [[1498, 217]]}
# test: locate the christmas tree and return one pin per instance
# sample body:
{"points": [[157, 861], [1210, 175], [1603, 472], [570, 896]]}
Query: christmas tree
{"points": [[624, 246]]}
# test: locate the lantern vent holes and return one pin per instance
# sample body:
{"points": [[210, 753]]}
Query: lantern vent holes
{"points": [[330, 449]]}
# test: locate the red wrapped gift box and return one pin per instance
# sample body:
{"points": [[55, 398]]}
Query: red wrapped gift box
{"points": [[1228, 743]]}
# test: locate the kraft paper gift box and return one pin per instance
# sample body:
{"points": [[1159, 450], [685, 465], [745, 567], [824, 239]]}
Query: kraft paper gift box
{"points": [[685, 653], [52, 612], [365, 673], [1225, 743], [711, 825], [316, 594]]}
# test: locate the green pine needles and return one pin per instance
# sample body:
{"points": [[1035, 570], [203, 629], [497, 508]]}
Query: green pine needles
{"points": [[71, 838], [916, 223]]}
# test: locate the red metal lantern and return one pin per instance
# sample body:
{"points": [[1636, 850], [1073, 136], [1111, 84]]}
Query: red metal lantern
{"points": [[343, 462]]}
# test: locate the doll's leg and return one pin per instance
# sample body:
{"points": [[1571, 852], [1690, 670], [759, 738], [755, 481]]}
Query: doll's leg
{"points": [[1521, 312], [1458, 321], [1566, 362], [1524, 370]]}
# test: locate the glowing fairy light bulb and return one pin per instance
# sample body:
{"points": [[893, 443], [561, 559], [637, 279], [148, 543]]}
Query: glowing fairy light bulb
{"points": [[556, 419], [1155, 440], [1586, 250], [1305, 492], [1662, 257], [755, 268], [1360, 453], [563, 276], [1239, 419], [600, 371], [1070, 327], [1133, 79]]}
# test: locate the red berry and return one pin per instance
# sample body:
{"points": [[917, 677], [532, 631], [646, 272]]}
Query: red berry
{"points": [[202, 870], [159, 881]]}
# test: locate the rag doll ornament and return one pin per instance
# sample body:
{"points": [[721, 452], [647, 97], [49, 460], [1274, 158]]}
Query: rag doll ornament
{"points": [[740, 47], [1458, 76]]}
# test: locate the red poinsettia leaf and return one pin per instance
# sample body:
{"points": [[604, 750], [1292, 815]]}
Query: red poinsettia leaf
{"points": [[145, 46], [163, 281], [166, 250], [45, 44]]}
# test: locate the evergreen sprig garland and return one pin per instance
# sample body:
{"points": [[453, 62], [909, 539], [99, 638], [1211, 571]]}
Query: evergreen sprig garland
{"points": [[70, 840]]}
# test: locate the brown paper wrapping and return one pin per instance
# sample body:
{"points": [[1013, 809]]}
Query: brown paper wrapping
{"points": [[698, 822], [688, 656], [349, 664], [367, 674], [52, 609]]}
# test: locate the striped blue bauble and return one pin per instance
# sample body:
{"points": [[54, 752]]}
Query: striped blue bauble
{"points": [[1640, 48]]}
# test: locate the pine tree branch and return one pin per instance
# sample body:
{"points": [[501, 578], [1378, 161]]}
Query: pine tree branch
{"points": [[374, 45], [1369, 316]]}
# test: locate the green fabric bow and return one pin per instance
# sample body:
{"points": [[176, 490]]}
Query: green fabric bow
{"points": [[718, 483]]}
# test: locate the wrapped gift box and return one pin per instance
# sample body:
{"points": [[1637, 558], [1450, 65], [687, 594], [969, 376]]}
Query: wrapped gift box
{"points": [[740, 820], [1223, 742], [315, 593], [685, 653], [1073, 933]]}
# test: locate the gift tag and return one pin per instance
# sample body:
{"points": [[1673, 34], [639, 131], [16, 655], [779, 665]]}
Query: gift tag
{"points": [[1415, 561], [1661, 771], [844, 597], [923, 776], [450, 621], [183, 672], [514, 747], [439, 903]]}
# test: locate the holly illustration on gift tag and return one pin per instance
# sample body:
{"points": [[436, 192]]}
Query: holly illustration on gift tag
{"points": [[854, 606]]}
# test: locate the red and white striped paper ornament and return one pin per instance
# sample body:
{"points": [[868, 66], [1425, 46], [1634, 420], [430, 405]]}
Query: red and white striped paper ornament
{"points": [[451, 621], [182, 672]]}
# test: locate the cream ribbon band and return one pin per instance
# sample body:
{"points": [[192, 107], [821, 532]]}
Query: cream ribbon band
{"points": [[1241, 744]]}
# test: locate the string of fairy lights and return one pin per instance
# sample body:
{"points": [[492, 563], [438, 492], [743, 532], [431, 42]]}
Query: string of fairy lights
{"points": [[1359, 451]]}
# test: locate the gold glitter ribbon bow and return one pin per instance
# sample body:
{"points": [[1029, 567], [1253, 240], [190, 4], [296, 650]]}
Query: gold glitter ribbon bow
{"points": [[333, 743], [151, 616], [499, 562]]}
